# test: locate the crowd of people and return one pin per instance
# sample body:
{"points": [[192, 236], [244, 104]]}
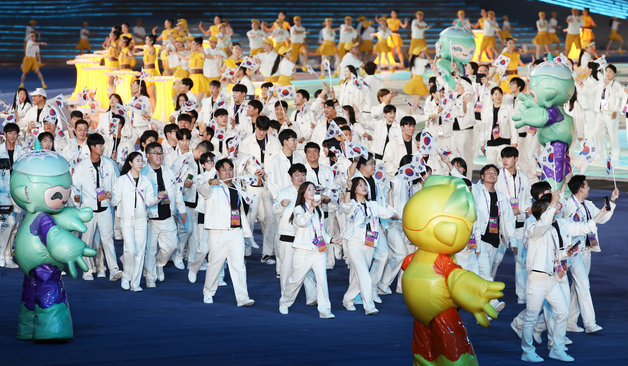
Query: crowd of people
{"points": [[324, 178]]}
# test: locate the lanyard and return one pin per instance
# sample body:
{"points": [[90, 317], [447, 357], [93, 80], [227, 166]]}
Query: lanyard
{"points": [[320, 223], [604, 90], [586, 210], [99, 174], [229, 196], [487, 199], [135, 186], [365, 215], [514, 184]]}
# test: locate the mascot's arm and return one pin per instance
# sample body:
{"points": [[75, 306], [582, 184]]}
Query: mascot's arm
{"points": [[473, 293], [530, 113], [72, 219]]}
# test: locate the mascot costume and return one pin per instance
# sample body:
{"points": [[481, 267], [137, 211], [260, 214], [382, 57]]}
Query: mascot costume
{"points": [[44, 244], [455, 45], [438, 220], [552, 86]]}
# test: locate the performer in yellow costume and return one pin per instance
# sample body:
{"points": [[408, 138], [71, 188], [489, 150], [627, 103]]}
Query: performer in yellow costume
{"points": [[542, 39], [438, 220], [149, 56], [83, 44], [394, 41], [416, 87], [614, 36], [513, 54], [165, 39], [505, 27], [418, 27], [586, 32], [126, 57], [197, 59]]}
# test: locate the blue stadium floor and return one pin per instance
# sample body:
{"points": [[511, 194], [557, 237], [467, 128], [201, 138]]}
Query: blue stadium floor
{"points": [[171, 325]]}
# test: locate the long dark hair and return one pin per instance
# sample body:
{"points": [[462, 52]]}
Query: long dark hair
{"points": [[354, 185], [275, 65], [176, 105], [15, 103], [117, 97], [594, 69], [127, 163], [143, 90], [301, 199], [350, 113], [573, 99]]}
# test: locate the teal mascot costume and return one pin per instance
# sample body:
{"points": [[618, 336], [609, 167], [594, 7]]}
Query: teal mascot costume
{"points": [[44, 244]]}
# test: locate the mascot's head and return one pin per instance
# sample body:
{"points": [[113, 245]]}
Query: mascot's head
{"points": [[439, 218], [552, 83], [457, 43], [41, 182]]}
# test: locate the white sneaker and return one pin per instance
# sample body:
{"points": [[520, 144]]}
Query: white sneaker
{"points": [[574, 328], [499, 306], [125, 284], [88, 276], [222, 283], [384, 290], [268, 259], [160, 274], [101, 274], [191, 277], [568, 341], [208, 299], [254, 245], [283, 310], [248, 251], [136, 289], [349, 306], [2, 264], [178, 262], [248, 302], [377, 299], [513, 325], [115, 275], [592, 329], [531, 357], [326, 315], [561, 356], [203, 266], [8, 263], [150, 284], [372, 311]]}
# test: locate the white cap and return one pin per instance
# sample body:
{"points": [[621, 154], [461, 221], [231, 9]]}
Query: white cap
{"points": [[40, 91]]}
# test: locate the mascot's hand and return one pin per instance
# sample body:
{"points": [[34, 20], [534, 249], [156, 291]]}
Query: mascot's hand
{"points": [[64, 247], [72, 219], [530, 113], [473, 294]]}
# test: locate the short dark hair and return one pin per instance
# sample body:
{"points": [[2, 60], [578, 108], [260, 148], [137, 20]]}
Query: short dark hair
{"points": [[312, 145], [487, 167], [184, 133], [509, 152], [340, 121], [274, 124], [215, 83], [267, 84], [257, 105], [187, 82], [220, 112], [220, 163], [298, 167], [519, 81], [497, 88], [389, 108], [170, 127], [576, 183], [612, 67], [206, 156], [11, 127], [94, 139], [282, 103], [184, 117], [152, 146], [304, 94], [262, 123], [286, 135], [239, 88], [76, 114], [370, 68], [363, 161], [537, 189], [81, 122], [205, 146], [330, 103], [382, 93], [407, 120]]}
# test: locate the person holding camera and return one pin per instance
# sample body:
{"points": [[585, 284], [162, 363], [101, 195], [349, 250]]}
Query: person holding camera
{"points": [[579, 209]]}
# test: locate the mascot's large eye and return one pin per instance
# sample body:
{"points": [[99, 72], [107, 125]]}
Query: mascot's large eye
{"points": [[57, 196]]}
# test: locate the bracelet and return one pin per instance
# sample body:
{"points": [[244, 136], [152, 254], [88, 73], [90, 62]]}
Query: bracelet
{"points": [[348, 190]]}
